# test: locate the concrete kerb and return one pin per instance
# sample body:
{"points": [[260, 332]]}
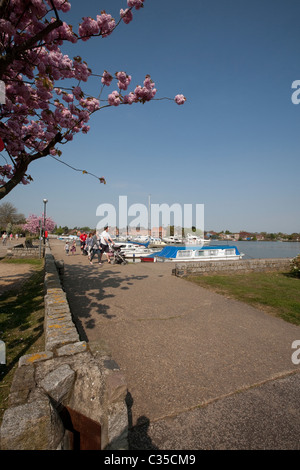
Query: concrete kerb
{"points": [[66, 374]]}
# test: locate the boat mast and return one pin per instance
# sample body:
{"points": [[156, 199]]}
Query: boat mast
{"points": [[149, 216]]}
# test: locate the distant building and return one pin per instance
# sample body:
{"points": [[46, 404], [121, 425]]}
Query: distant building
{"points": [[245, 236], [211, 234], [259, 237]]}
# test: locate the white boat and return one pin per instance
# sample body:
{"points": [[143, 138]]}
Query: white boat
{"points": [[195, 253], [156, 242], [120, 238], [172, 239], [135, 250], [141, 238], [192, 239], [68, 237]]}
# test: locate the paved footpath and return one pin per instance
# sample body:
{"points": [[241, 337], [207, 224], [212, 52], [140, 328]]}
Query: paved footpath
{"points": [[203, 371]]}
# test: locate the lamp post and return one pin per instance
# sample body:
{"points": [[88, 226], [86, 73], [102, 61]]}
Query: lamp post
{"points": [[45, 202]]}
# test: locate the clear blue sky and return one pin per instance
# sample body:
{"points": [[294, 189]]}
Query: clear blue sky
{"points": [[233, 146]]}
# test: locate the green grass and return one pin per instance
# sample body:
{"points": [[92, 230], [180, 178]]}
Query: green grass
{"points": [[21, 325], [275, 293], [32, 262]]}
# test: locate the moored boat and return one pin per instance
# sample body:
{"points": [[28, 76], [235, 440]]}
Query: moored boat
{"points": [[192, 239], [172, 239], [194, 253], [135, 250], [156, 242]]}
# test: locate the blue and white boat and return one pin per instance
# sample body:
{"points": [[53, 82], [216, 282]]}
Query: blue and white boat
{"points": [[195, 253]]}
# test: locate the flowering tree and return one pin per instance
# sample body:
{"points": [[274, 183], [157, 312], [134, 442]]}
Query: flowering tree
{"points": [[34, 223], [295, 266], [38, 114]]}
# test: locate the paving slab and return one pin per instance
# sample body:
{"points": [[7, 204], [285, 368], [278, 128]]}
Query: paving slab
{"points": [[203, 371]]}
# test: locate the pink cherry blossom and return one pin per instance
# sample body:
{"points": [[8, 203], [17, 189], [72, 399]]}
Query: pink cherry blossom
{"points": [[77, 92], [130, 98], [126, 15], [106, 78], [135, 3], [88, 28], [147, 92], [180, 99], [68, 97], [114, 98], [124, 80], [33, 223], [106, 24]]}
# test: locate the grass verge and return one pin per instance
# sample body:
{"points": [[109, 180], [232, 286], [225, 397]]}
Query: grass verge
{"points": [[33, 262], [21, 324], [275, 293]]}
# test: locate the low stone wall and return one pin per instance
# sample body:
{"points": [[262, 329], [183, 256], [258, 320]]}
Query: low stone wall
{"points": [[67, 375], [236, 266], [19, 251]]}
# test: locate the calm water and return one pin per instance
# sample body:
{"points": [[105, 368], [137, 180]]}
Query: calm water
{"points": [[264, 249]]}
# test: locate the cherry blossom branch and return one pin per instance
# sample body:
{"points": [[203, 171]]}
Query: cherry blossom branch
{"points": [[101, 179], [37, 115], [14, 53], [125, 15], [16, 178], [55, 11]]}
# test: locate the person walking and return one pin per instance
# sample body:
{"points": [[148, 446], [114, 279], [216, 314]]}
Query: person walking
{"points": [[4, 238], [88, 244], [67, 248], [73, 247], [96, 249], [105, 242], [83, 237]]}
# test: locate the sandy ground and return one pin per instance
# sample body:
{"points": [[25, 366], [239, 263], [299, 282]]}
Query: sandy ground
{"points": [[12, 276]]}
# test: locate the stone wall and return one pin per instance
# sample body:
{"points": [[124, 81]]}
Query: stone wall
{"points": [[235, 266], [68, 375], [19, 251]]}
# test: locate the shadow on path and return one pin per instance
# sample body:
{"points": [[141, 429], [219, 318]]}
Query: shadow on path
{"points": [[138, 438], [87, 287]]}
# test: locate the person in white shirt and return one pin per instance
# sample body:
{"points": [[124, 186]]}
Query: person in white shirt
{"points": [[105, 241], [4, 238]]}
